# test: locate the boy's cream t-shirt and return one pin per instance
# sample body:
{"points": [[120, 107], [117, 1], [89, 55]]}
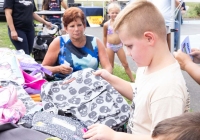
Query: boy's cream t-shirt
{"points": [[160, 95]]}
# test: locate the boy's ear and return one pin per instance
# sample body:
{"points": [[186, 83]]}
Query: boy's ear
{"points": [[149, 36]]}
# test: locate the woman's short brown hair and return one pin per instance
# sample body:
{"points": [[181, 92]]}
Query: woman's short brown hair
{"points": [[71, 14]]}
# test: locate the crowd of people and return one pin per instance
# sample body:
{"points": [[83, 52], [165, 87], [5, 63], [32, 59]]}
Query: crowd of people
{"points": [[160, 98]]}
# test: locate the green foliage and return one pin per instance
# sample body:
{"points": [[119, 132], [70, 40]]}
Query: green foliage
{"points": [[197, 9], [191, 13]]}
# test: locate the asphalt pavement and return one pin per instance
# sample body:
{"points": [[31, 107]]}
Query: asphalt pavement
{"points": [[191, 28]]}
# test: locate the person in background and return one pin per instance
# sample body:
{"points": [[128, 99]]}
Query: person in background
{"points": [[183, 11], [54, 5], [165, 8], [159, 91], [189, 65], [112, 41], [20, 16], [75, 50], [183, 127], [178, 22]]}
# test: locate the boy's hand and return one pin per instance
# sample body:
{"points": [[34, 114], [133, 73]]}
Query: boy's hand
{"points": [[99, 132], [103, 73], [196, 55], [182, 58]]}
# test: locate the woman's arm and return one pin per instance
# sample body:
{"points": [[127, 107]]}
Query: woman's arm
{"points": [[9, 19], [103, 57], [64, 5], [52, 56], [38, 18], [188, 65], [193, 70]]}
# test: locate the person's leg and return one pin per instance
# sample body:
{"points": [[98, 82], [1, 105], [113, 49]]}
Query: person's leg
{"points": [[30, 38], [111, 56], [181, 20], [122, 57], [20, 45], [176, 35]]}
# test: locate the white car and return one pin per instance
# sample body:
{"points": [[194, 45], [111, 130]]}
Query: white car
{"points": [[2, 13]]}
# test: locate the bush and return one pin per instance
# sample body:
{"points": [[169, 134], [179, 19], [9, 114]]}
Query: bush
{"points": [[197, 9]]}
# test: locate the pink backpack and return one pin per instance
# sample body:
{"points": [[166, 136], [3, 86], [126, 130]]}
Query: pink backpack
{"points": [[11, 108]]}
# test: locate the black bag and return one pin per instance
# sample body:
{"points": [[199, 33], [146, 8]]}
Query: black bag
{"points": [[40, 47], [39, 55], [45, 38], [63, 127], [10, 131]]}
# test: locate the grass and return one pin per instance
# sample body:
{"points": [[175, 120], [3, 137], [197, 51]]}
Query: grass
{"points": [[191, 13], [4, 39]]}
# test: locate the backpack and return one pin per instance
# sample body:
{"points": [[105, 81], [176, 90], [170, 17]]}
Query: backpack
{"points": [[63, 127], [89, 98], [10, 131]]}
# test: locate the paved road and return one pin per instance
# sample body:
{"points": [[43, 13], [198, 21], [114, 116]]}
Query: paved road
{"points": [[188, 28]]}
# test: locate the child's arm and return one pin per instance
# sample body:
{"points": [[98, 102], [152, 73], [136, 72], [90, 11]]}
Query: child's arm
{"points": [[105, 28], [122, 86], [103, 132]]}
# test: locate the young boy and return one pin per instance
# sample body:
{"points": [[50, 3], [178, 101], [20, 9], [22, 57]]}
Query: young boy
{"points": [[184, 127], [159, 91]]}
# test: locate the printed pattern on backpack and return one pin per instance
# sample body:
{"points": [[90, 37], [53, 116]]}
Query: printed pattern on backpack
{"points": [[62, 127], [88, 97]]}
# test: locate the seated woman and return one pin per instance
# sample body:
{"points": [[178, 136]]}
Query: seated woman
{"points": [[75, 50]]}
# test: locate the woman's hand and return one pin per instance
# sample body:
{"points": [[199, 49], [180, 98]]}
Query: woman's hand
{"points": [[99, 132], [182, 58], [196, 55], [65, 69], [14, 35], [48, 24]]}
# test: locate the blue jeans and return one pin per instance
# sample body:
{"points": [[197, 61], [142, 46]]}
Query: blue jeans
{"points": [[27, 43], [176, 34]]}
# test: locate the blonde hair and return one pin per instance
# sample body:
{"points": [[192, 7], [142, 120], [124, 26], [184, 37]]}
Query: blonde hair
{"points": [[114, 5], [139, 17]]}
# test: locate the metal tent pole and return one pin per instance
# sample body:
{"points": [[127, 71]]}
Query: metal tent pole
{"points": [[172, 24]]}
